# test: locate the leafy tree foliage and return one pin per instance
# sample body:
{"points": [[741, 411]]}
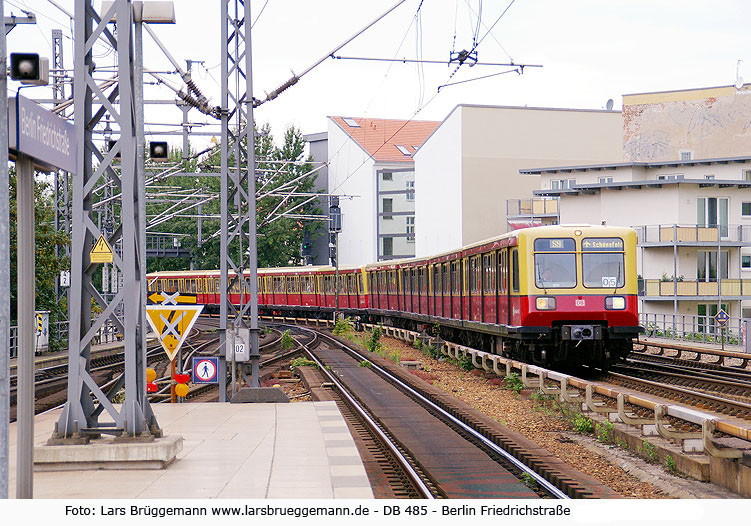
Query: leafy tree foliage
{"points": [[279, 238], [48, 266]]}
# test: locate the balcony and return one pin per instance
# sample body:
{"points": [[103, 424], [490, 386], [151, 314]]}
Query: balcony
{"points": [[727, 288], [696, 235], [535, 207], [522, 213]]}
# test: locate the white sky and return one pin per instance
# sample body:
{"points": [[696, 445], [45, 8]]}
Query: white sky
{"points": [[591, 50]]}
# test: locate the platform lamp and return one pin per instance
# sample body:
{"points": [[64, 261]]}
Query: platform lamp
{"points": [[335, 226]]}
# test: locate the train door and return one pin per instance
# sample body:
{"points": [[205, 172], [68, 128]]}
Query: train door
{"points": [[490, 291], [435, 308], [514, 316]]}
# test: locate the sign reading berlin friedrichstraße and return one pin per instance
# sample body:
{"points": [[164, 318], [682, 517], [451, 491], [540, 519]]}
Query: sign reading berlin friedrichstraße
{"points": [[42, 135]]}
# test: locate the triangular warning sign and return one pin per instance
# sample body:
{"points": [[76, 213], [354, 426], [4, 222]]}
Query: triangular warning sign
{"points": [[102, 251], [172, 323]]}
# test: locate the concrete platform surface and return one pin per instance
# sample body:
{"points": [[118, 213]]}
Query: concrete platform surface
{"points": [[250, 451]]}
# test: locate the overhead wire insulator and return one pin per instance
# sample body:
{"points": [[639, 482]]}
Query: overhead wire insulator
{"points": [[274, 94]]}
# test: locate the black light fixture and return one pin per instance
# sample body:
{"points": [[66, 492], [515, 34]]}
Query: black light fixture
{"points": [[29, 68], [159, 151]]}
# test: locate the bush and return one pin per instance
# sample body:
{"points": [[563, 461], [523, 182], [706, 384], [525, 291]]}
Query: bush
{"points": [[514, 383], [374, 342], [581, 423], [301, 362], [605, 432], [287, 340], [344, 327]]}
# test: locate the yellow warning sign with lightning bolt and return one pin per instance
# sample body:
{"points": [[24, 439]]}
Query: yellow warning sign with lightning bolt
{"points": [[102, 251], [172, 323]]}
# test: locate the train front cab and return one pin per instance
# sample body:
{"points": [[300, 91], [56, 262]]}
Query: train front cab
{"points": [[577, 298]]}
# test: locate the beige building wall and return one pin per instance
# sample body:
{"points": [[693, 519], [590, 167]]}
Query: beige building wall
{"points": [[709, 123], [499, 141]]}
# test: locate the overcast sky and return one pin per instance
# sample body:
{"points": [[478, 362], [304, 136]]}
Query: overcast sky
{"points": [[590, 50]]}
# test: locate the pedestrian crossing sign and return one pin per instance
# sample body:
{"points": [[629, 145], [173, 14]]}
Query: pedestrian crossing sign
{"points": [[172, 323]]}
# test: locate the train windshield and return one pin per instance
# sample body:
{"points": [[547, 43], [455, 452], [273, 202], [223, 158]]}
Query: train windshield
{"points": [[602, 262], [555, 263]]}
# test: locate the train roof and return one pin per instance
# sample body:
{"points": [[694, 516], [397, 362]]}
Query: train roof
{"points": [[278, 270]]}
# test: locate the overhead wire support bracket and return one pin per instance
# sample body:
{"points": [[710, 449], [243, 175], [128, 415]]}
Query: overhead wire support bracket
{"points": [[442, 62]]}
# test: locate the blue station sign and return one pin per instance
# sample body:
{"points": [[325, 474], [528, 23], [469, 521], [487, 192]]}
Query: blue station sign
{"points": [[42, 135]]}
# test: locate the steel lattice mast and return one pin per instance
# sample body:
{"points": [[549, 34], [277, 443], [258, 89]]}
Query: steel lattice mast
{"points": [[91, 104], [238, 200]]}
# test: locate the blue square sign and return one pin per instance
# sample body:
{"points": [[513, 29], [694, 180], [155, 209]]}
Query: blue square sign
{"points": [[205, 370]]}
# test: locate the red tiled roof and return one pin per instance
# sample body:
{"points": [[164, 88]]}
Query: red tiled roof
{"points": [[380, 137]]}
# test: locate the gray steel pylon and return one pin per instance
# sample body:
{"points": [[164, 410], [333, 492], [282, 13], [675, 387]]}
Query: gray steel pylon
{"points": [[86, 401], [238, 192]]}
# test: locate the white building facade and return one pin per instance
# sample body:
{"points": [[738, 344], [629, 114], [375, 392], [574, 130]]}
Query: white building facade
{"points": [[371, 168], [468, 168], [693, 219]]}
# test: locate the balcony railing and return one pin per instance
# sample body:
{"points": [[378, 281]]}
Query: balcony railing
{"points": [[692, 328], [532, 207], [726, 287], [693, 234]]}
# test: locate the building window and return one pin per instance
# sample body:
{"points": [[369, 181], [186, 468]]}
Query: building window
{"points": [[352, 123], [686, 155], [712, 212], [410, 229], [404, 150], [388, 246], [709, 177], [747, 175], [746, 262], [388, 207], [706, 265], [746, 209], [410, 190], [562, 184], [388, 176], [605, 180]]}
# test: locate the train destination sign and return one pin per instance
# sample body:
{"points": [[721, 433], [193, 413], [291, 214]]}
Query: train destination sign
{"points": [[603, 244], [42, 135]]}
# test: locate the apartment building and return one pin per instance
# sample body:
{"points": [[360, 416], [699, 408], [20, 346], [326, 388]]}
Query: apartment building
{"points": [[693, 218]]}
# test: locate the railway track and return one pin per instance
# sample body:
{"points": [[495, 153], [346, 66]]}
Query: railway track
{"points": [[479, 463]]}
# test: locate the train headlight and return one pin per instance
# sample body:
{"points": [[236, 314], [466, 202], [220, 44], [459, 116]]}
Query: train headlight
{"points": [[615, 303], [545, 303]]}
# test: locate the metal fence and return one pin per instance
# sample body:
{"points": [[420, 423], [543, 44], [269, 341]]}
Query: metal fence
{"points": [[702, 329], [59, 334]]}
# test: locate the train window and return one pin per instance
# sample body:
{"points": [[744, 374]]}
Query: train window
{"points": [[503, 270], [445, 283], [489, 268], [602, 262], [515, 270], [474, 275], [216, 284], [436, 280], [360, 288], [200, 285], [193, 285], [455, 277], [555, 263]]}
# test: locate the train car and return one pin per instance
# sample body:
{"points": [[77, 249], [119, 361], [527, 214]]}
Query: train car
{"points": [[552, 295]]}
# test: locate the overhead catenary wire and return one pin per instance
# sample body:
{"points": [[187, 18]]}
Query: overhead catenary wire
{"points": [[295, 78]]}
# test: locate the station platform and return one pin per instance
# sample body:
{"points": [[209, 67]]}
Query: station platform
{"points": [[300, 450]]}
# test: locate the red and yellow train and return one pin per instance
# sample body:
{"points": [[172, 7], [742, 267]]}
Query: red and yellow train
{"points": [[559, 295]]}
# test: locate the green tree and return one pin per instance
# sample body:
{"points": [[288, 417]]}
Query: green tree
{"points": [[47, 265], [279, 239]]}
